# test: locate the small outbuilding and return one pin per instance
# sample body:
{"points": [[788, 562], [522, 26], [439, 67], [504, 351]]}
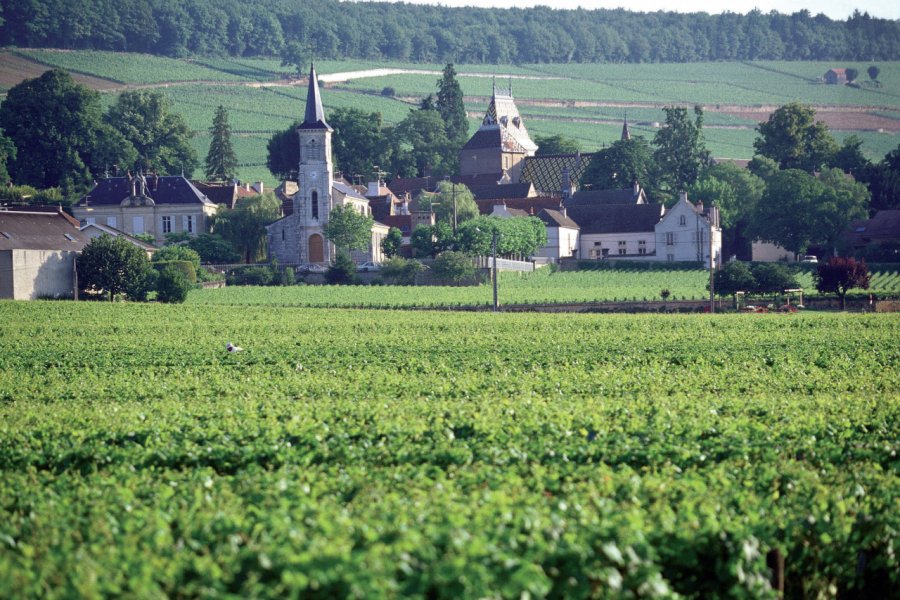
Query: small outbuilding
{"points": [[836, 76]]}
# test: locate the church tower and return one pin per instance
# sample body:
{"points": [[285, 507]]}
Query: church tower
{"points": [[313, 200], [626, 134]]}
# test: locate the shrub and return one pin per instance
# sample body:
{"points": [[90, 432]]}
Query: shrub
{"points": [[343, 271], [173, 286], [249, 276], [213, 248], [401, 271], [453, 266], [178, 253], [185, 266], [388, 92]]}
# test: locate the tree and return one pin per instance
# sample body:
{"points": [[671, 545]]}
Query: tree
{"points": [[422, 135], [161, 137], [798, 210], [442, 203], [358, 142], [620, 165], [772, 278], [7, 154], [113, 265], [852, 74], [884, 182], [347, 228], [850, 159], [840, 275], [794, 139], [58, 130], [343, 271], [283, 153], [245, 225], [422, 240], [735, 191], [453, 266], [401, 271], [168, 253], [873, 72], [172, 286], [734, 277], [680, 150], [213, 249], [556, 144], [450, 105], [390, 245], [295, 54], [221, 161]]}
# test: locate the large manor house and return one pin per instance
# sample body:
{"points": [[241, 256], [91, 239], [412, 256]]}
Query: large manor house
{"points": [[499, 164]]}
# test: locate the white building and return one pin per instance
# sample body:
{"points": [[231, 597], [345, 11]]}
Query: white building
{"points": [[562, 234], [687, 232]]}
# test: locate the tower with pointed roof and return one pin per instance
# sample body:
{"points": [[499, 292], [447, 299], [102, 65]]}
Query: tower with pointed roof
{"points": [[626, 134], [501, 142]]}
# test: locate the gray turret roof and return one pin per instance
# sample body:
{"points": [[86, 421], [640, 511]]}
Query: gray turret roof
{"points": [[315, 113]]}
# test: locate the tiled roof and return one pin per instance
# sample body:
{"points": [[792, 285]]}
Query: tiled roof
{"points": [[415, 185], [616, 218], [546, 172], [223, 193], [401, 222], [499, 191], [531, 205], [556, 218], [503, 117], [20, 230], [167, 189], [625, 196]]}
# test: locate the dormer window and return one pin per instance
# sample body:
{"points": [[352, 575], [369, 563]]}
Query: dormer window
{"points": [[517, 122], [504, 120]]}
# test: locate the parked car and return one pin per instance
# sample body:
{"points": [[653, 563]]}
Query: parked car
{"points": [[368, 266], [809, 258]]}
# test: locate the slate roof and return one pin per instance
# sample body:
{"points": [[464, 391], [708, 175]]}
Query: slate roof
{"points": [[166, 189], [884, 226], [21, 230], [616, 218], [223, 193], [495, 137], [119, 233], [500, 191], [347, 190], [556, 218], [401, 222], [315, 113], [531, 205], [625, 196], [415, 185], [546, 172]]}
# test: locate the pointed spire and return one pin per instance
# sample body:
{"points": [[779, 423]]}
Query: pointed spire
{"points": [[315, 114], [494, 87], [626, 135]]}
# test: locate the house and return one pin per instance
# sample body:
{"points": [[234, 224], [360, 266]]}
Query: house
{"points": [[761, 251], [685, 231], [501, 143], [836, 76], [37, 254], [155, 205], [228, 193], [632, 195], [95, 230], [616, 230], [881, 231], [298, 237], [562, 234]]}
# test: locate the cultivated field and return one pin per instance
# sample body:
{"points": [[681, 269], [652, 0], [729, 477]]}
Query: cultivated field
{"points": [[540, 287], [584, 102], [376, 454]]}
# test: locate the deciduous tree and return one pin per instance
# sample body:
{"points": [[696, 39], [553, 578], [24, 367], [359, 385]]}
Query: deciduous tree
{"points": [[448, 193], [620, 165], [348, 229], [556, 144], [390, 245], [283, 153], [114, 266], [840, 275], [453, 266], [680, 150], [794, 139], [358, 142], [245, 225]]}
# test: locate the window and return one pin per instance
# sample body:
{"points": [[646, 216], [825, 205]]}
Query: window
{"points": [[137, 224], [111, 221], [282, 235], [670, 238], [187, 223], [167, 224], [642, 246], [682, 220], [597, 243], [670, 257], [315, 204], [622, 248]]}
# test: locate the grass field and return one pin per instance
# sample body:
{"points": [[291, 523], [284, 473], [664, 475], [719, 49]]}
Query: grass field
{"points": [[385, 454], [543, 286]]}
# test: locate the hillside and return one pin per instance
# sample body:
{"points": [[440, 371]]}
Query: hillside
{"points": [[585, 102]]}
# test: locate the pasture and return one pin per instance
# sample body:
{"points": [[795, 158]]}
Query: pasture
{"points": [[377, 454]]}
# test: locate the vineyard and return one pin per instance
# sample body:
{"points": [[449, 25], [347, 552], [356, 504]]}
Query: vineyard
{"points": [[377, 454], [540, 287]]}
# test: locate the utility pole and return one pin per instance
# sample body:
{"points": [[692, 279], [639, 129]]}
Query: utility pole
{"points": [[712, 262], [494, 250]]}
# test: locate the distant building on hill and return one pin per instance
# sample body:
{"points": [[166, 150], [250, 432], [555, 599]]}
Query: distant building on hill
{"points": [[836, 76]]}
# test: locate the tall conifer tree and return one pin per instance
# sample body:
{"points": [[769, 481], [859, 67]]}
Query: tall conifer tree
{"points": [[221, 162], [450, 105]]}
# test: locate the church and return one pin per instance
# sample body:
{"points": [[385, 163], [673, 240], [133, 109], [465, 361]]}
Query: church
{"points": [[298, 238]]}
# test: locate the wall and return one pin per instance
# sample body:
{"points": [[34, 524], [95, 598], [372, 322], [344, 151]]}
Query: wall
{"points": [[560, 242], [769, 252], [686, 245], [33, 274], [152, 217], [610, 241]]}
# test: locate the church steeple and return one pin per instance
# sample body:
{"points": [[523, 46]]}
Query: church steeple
{"points": [[315, 113], [626, 135]]}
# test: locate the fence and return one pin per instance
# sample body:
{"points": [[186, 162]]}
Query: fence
{"points": [[504, 264]]}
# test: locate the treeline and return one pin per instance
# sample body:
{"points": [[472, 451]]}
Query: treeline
{"points": [[329, 29]]}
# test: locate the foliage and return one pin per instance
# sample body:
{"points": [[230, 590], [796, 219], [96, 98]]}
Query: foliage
{"points": [[884, 182], [221, 161], [852, 74], [147, 238], [736, 192], [620, 165], [347, 228], [186, 267], [295, 54], [244, 226], [850, 158], [873, 72], [59, 133], [772, 278], [401, 271], [734, 277], [840, 275], [517, 236], [249, 275], [798, 209], [214, 249], [448, 193], [358, 143], [172, 286], [680, 150], [449, 104], [453, 266], [390, 245], [114, 266], [794, 139], [283, 153], [556, 144], [422, 139], [160, 136], [342, 271], [422, 240], [178, 252], [7, 154]]}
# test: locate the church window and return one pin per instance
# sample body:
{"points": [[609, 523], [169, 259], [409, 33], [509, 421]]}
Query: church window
{"points": [[315, 205]]}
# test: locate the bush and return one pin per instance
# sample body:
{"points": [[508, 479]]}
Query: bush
{"points": [[401, 271], [453, 266], [343, 271], [388, 92], [249, 276], [214, 249], [185, 266], [772, 278], [173, 286], [170, 253]]}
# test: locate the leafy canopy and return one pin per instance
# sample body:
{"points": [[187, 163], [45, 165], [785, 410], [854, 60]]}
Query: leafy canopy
{"points": [[348, 228], [115, 266], [794, 139]]}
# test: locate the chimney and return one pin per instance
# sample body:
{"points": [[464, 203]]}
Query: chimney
{"points": [[562, 210], [372, 189], [682, 196], [260, 187], [636, 187], [566, 184]]}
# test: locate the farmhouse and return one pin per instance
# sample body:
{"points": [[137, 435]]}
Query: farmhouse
{"points": [[298, 237], [137, 204], [37, 254], [836, 76]]}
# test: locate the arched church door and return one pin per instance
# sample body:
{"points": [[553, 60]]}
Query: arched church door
{"points": [[316, 248]]}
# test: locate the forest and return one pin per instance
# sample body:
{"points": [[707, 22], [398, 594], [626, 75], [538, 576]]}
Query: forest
{"points": [[329, 29]]}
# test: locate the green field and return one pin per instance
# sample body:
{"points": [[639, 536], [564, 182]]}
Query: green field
{"points": [[542, 286], [380, 454]]}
